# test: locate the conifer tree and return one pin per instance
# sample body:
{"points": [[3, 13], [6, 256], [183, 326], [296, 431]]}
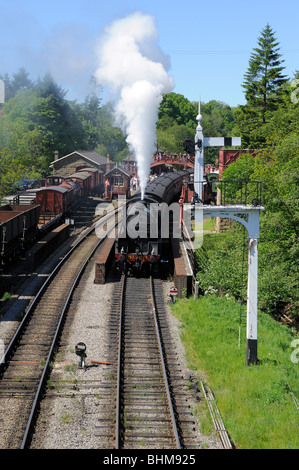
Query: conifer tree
{"points": [[263, 85], [264, 78]]}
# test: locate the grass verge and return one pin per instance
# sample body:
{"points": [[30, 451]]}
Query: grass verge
{"points": [[255, 402]]}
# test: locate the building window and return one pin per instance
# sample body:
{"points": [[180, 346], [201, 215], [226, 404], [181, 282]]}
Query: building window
{"points": [[118, 181]]}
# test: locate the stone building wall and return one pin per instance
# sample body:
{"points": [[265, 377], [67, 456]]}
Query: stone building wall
{"points": [[68, 166]]}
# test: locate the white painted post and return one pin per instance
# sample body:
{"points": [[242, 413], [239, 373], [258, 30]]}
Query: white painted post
{"points": [[198, 164], [200, 143], [251, 328], [252, 225]]}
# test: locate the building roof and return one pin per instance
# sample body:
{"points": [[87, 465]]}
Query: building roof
{"points": [[130, 158], [80, 175], [119, 169], [58, 189], [92, 169], [87, 154]]}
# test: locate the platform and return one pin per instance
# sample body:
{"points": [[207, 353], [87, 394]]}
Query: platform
{"points": [[104, 261], [182, 273]]}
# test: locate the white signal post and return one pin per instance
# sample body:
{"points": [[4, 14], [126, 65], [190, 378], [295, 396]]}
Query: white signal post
{"points": [[200, 143], [234, 212], [198, 163], [251, 223]]}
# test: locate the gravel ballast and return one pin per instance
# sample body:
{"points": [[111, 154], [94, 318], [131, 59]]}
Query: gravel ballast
{"points": [[76, 399]]}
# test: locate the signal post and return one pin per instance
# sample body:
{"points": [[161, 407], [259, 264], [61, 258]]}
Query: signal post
{"points": [[246, 214]]}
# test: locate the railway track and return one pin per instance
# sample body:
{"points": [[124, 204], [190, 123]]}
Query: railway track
{"points": [[152, 408], [26, 363]]}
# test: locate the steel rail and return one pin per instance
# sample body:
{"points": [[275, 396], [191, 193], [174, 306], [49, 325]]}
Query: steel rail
{"points": [[62, 315], [119, 365], [216, 417], [18, 333], [119, 369], [173, 419]]}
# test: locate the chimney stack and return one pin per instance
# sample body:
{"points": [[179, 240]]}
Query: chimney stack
{"points": [[108, 163], [56, 155]]}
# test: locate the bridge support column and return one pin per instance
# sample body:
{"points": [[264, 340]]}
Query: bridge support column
{"points": [[251, 328]]}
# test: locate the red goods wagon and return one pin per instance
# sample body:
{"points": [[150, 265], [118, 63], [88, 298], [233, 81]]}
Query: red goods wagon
{"points": [[84, 179], [72, 186], [54, 180], [53, 200], [94, 176], [57, 200], [74, 192], [30, 213], [18, 226], [97, 179]]}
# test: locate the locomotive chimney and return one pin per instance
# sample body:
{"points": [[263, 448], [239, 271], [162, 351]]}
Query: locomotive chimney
{"points": [[56, 155]]}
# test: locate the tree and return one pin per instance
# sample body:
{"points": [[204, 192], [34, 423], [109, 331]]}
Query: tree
{"points": [[171, 140], [176, 109], [36, 122], [57, 118], [264, 78], [277, 168], [110, 138], [10, 171], [20, 81], [264, 88], [218, 121]]}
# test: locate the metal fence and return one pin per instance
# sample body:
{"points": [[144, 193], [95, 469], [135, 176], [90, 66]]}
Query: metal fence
{"points": [[239, 192]]}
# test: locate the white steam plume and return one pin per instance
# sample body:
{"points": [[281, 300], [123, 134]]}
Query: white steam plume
{"points": [[134, 68]]}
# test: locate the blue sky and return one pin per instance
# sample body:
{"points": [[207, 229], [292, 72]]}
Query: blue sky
{"points": [[208, 42]]}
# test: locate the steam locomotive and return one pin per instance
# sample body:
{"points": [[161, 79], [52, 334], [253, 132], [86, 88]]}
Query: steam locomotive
{"points": [[147, 223]]}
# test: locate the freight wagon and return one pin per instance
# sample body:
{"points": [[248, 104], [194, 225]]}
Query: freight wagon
{"points": [[57, 201], [18, 227]]}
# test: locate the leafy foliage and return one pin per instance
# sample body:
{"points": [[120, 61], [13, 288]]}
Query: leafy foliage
{"points": [[37, 120], [176, 109], [277, 167], [10, 170], [177, 121]]}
